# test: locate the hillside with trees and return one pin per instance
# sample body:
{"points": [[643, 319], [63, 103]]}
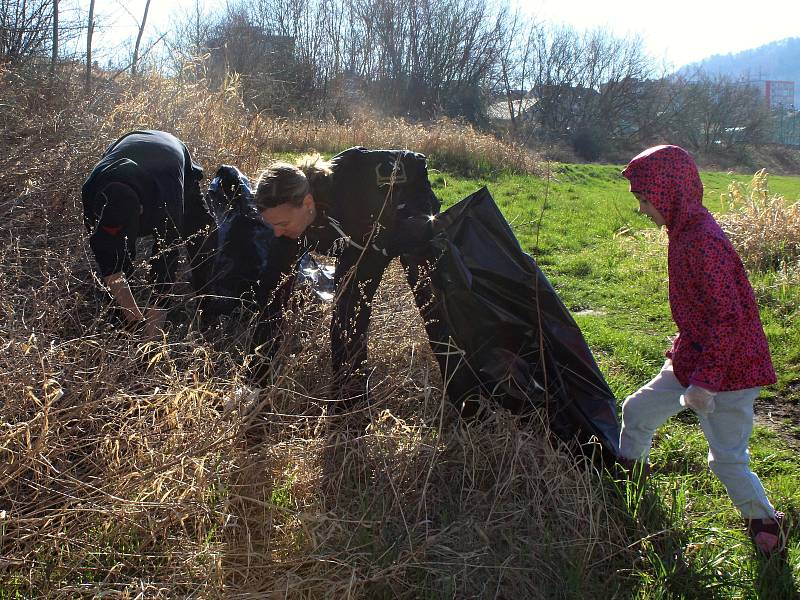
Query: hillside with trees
{"points": [[778, 60], [564, 92]]}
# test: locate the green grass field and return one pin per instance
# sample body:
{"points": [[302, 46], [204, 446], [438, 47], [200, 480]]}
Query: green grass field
{"points": [[608, 263], [131, 477]]}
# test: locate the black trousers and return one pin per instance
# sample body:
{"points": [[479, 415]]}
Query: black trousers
{"points": [[355, 293], [199, 233]]}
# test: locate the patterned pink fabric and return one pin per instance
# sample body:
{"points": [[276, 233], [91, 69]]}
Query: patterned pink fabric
{"points": [[721, 344]]}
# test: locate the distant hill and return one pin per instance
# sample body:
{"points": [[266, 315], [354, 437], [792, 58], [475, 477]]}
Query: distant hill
{"points": [[777, 60]]}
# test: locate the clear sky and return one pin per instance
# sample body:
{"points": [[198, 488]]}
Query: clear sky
{"points": [[117, 23], [675, 31]]}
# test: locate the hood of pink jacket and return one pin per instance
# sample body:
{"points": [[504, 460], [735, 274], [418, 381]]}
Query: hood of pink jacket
{"points": [[669, 179], [721, 344]]}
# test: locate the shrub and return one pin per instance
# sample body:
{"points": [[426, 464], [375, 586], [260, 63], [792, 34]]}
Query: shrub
{"points": [[764, 229], [588, 144]]}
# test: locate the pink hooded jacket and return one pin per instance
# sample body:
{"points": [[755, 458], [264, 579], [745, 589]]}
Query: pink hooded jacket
{"points": [[721, 344]]}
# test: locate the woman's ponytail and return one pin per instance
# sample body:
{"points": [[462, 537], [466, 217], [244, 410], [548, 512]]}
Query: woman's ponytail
{"points": [[284, 182]]}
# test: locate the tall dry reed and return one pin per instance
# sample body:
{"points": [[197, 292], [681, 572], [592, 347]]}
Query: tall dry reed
{"points": [[126, 471], [220, 129], [764, 227]]}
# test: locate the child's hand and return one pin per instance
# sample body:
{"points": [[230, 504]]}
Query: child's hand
{"points": [[700, 400]]}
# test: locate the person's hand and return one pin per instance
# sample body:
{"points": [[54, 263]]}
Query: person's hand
{"points": [[133, 326], [154, 323], [700, 400]]}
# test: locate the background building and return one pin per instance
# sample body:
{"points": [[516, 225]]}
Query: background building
{"points": [[778, 94]]}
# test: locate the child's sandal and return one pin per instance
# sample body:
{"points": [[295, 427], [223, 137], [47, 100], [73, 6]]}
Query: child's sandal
{"points": [[770, 537]]}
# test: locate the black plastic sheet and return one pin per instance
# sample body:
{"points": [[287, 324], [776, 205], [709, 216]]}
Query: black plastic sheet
{"points": [[240, 263], [245, 260], [520, 345]]}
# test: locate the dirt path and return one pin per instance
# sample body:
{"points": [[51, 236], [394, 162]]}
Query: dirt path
{"points": [[782, 416]]}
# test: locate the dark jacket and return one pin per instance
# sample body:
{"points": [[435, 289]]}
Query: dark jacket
{"points": [[143, 185], [376, 205], [245, 258], [369, 202]]}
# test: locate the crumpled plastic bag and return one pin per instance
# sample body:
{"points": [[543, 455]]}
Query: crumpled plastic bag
{"points": [[519, 344]]}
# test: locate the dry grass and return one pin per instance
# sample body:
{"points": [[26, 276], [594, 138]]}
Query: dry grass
{"points": [[123, 475], [53, 138], [218, 129], [764, 228]]}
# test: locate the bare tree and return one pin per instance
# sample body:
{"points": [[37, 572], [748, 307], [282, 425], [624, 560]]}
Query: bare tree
{"points": [[514, 78], [424, 57], [653, 114], [613, 67], [54, 56], [719, 112], [89, 34], [577, 87], [135, 61], [188, 39], [420, 57], [25, 28]]}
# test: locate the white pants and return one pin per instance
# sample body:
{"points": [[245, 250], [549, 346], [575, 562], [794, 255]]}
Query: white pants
{"points": [[727, 430]]}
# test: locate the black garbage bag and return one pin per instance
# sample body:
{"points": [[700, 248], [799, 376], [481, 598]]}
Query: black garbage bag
{"points": [[249, 261], [240, 266], [520, 345]]}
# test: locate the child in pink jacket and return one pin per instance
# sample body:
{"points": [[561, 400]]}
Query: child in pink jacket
{"points": [[720, 358]]}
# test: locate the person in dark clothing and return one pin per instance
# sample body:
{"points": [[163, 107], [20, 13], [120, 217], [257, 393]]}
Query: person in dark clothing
{"points": [[244, 270], [145, 184], [364, 207]]}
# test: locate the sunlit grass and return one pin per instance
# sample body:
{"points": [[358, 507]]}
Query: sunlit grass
{"points": [[126, 474]]}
